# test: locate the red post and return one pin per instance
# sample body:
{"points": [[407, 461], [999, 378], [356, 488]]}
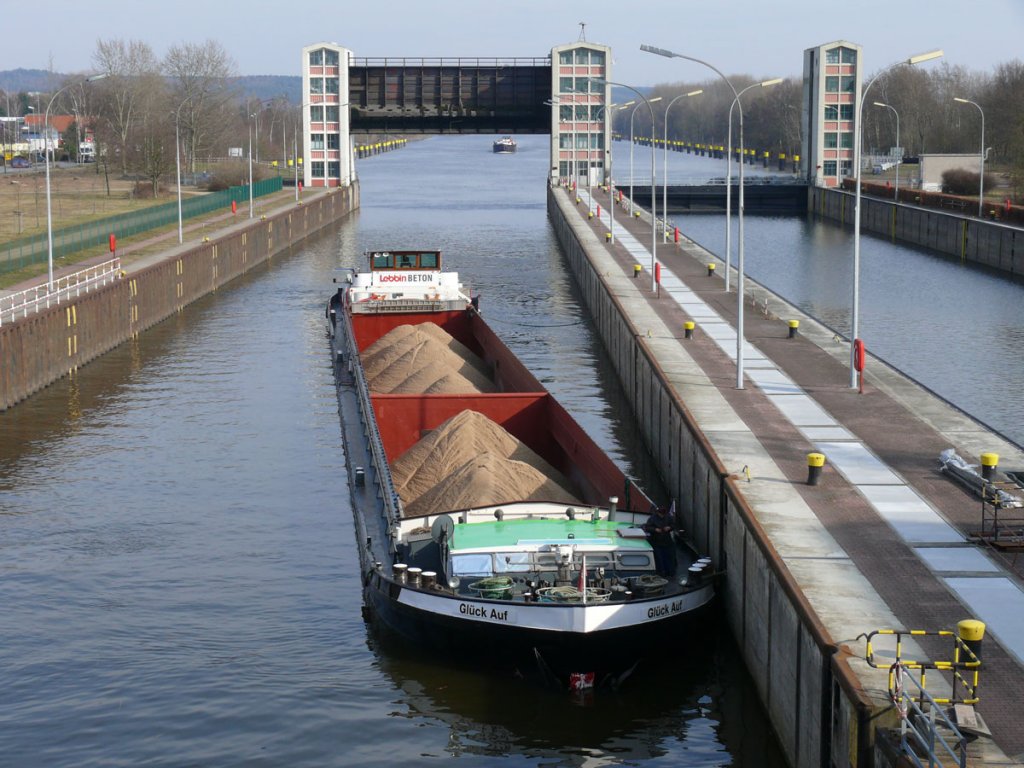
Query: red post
{"points": [[113, 243], [234, 206], [599, 211], [677, 234], [858, 362]]}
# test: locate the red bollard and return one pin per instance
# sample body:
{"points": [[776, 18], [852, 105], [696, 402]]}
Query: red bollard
{"points": [[113, 243], [677, 234], [234, 206], [599, 211]]}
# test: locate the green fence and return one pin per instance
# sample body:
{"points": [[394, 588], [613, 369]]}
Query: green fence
{"points": [[33, 250]]}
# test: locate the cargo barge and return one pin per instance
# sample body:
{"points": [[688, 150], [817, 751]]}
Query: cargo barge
{"points": [[488, 521]]}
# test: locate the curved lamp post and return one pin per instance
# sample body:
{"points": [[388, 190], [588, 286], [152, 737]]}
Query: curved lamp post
{"points": [[46, 157], [728, 175], [611, 180], [739, 279], [981, 175], [858, 138], [654, 197], [664, 180], [899, 158]]}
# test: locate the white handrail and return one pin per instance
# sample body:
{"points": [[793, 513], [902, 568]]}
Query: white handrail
{"points": [[22, 303]]}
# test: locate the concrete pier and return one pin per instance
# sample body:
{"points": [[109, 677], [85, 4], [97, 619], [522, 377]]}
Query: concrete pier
{"points": [[881, 541]]}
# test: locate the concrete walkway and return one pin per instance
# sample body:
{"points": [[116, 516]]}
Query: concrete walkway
{"points": [[881, 542]]}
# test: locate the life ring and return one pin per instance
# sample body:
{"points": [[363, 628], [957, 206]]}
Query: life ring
{"points": [[858, 354]]}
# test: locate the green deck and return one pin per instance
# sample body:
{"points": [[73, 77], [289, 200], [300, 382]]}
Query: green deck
{"points": [[506, 534]]}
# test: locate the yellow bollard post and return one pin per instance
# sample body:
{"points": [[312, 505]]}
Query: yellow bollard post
{"points": [[989, 462], [815, 461], [794, 328], [636, 271], [711, 270], [688, 327], [607, 237], [972, 632]]}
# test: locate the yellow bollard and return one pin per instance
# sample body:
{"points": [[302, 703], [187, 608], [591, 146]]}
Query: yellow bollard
{"points": [[815, 461], [607, 237], [711, 270], [688, 327], [636, 271], [972, 632], [794, 328], [989, 462], [590, 214]]}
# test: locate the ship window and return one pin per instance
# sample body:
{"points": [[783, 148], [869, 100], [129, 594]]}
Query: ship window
{"points": [[634, 560], [547, 559], [381, 261], [471, 565], [406, 261], [428, 260], [512, 562]]}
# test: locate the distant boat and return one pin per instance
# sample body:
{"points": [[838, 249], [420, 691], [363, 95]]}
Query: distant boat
{"points": [[505, 145]]}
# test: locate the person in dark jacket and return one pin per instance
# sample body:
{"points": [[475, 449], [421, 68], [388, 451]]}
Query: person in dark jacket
{"points": [[659, 527]]}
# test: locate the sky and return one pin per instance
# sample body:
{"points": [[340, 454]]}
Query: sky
{"points": [[753, 37]]}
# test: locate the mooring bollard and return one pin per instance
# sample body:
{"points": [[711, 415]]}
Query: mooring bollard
{"points": [[815, 461], [607, 237], [677, 234], [636, 271], [590, 215], [688, 327], [989, 462], [972, 632], [711, 270], [794, 328]]}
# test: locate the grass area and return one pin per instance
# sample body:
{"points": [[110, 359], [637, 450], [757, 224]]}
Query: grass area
{"points": [[79, 206], [77, 194]]}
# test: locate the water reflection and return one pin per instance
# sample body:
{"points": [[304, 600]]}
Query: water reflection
{"points": [[669, 710]]}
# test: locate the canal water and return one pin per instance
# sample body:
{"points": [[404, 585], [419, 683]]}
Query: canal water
{"points": [[956, 328], [178, 576]]}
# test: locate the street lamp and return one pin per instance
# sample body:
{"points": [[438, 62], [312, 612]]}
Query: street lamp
{"points": [[739, 279], [631, 142], [981, 175], [654, 196], [251, 166], [664, 180], [177, 164], [858, 138], [46, 158], [899, 157], [728, 175]]}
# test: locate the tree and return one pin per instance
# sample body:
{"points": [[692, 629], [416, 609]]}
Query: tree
{"points": [[200, 74], [133, 75]]}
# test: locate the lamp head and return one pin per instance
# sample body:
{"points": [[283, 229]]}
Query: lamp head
{"points": [[880, 104], [698, 92], [773, 81], [955, 98], [937, 53], [656, 98], [659, 51]]}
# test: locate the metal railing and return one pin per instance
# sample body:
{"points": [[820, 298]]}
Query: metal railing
{"points": [[27, 251], [922, 723], [965, 666], [23, 303]]}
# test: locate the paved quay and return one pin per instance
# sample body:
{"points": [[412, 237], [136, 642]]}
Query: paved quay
{"points": [[881, 542]]}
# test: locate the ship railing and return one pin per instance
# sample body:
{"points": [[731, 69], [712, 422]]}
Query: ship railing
{"points": [[30, 300], [392, 502]]}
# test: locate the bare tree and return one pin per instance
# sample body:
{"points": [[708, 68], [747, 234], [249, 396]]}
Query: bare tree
{"points": [[132, 73], [200, 74]]}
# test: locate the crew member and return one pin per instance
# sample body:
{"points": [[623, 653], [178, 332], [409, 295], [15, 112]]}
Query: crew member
{"points": [[659, 528]]}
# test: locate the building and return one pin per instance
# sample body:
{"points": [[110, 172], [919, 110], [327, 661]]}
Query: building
{"points": [[832, 88], [580, 123], [325, 116]]}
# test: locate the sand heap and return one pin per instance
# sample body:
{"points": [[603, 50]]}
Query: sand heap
{"points": [[423, 359], [470, 461]]}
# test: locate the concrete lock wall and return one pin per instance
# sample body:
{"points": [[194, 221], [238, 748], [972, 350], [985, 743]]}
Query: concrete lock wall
{"points": [[40, 349], [987, 243], [813, 700]]}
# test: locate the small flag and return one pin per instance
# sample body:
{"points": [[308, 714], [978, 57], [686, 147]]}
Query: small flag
{"points": [[581, 681]]}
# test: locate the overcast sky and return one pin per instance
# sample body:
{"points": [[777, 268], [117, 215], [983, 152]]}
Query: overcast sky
{"points": [[737, 36]]}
